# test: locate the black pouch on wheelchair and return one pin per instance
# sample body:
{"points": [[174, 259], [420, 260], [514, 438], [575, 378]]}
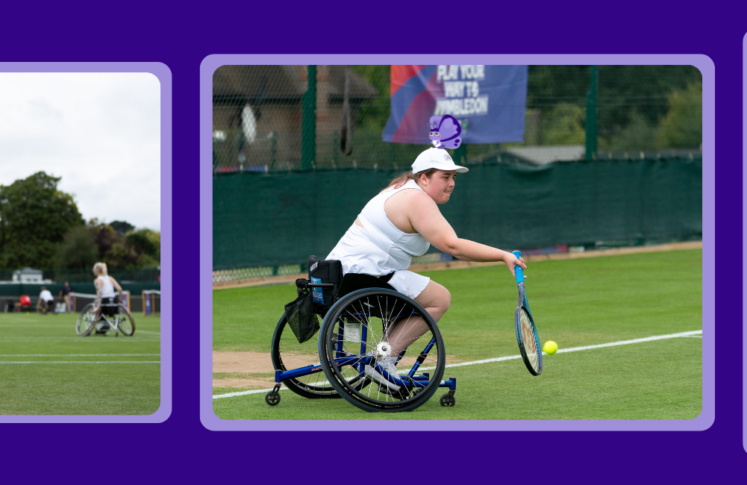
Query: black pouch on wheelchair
{"points": [[326, 271], [109, 306], [301, 316]]}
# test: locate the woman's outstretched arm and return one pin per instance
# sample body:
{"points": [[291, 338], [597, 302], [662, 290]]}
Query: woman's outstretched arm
{"points": [[431, 224]]}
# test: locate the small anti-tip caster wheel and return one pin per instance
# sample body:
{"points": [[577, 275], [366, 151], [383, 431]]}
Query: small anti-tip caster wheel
{"points": [[448, 400], [272, 398]]}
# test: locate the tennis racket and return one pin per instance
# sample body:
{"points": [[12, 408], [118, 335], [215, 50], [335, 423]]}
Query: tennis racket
{"points": [[526, 332]]}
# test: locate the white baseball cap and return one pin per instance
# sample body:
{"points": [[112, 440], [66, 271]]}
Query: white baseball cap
{"points": [[437, 158]]}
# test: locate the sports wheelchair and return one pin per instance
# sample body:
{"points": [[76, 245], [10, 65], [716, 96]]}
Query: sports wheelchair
{"points": [[339, 359], [111, 316]]}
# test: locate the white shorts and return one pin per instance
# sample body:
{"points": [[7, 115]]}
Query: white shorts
{"points": [[409, 283]]}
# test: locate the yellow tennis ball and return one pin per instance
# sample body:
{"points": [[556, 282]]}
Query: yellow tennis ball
{"points": [[550, 347]]}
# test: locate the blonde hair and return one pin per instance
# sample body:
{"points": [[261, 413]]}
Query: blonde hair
{"points": [[101, 267], [402, 179]]}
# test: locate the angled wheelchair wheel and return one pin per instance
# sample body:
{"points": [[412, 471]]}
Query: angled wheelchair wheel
{"points": [[86, 321], [288, 354], [126, 324], [355, 338]]}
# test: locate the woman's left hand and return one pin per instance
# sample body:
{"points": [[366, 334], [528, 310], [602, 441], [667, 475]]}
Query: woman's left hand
{"points": [[512, 261]]}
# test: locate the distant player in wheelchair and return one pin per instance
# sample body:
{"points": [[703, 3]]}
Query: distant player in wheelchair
{"points": [[380, 308], [106, 313], [107, 302]]}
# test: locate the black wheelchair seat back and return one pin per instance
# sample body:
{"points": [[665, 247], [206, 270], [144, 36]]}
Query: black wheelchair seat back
{"points": [[329, 273], [354, 282], [110, 306]]}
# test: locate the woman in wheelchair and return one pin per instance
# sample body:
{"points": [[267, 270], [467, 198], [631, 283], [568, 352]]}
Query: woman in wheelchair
{"points": [[106, 299], [402, 221]]}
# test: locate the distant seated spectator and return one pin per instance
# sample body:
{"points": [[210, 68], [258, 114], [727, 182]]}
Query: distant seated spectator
{"points": [[65, 295]]}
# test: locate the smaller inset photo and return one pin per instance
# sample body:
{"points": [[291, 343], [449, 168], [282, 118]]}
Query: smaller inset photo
{"points": [[81, 255]]}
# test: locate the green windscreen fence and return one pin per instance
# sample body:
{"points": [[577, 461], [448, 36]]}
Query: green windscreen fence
{"points": [[280, 218]]}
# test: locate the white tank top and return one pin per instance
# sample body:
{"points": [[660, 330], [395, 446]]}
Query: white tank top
{"points": [[107, 289], [379, 247]]}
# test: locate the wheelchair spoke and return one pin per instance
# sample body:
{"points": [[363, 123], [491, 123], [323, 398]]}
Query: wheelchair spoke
{"points": [[388, 321], [349, 354], [288, 354], [363, 321]]}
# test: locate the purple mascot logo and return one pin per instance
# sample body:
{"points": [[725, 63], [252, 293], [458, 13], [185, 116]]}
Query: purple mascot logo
{"points": [[445, 131]]}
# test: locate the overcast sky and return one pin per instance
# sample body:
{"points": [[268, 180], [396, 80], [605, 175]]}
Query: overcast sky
{"points": [[100, 132]]}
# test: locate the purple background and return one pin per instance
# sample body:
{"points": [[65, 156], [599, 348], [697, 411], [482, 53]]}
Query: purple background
{"points": [[181, 37]]}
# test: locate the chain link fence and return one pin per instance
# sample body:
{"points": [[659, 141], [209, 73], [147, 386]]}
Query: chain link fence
{"points": [[86, 275], [236, 274], [258, 117]]}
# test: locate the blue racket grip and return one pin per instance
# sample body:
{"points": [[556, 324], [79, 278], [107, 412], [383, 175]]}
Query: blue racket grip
{"points": [[517, 268]]}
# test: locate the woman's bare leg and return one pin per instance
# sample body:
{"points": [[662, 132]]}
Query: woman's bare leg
{"points": [[436, 300]]}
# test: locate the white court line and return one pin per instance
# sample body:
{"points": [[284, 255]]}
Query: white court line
{"points": [[512, 357], [77, 339], [50, 325], [588, 347], [85, 362], [76, 355]]}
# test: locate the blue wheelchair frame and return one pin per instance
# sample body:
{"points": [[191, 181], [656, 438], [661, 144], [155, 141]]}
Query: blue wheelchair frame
{"points": [[411, 381]]}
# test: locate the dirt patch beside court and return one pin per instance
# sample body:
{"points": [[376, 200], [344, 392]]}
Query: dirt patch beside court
{"points": [[255, 383], [242, 362], [257, 362]]}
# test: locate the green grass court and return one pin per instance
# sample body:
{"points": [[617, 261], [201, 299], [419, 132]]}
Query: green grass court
{"points": [[47, 369], [576, 303]]}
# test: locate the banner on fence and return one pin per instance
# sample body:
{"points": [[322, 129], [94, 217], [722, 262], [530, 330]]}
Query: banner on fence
{"points": [[489, 102]]}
